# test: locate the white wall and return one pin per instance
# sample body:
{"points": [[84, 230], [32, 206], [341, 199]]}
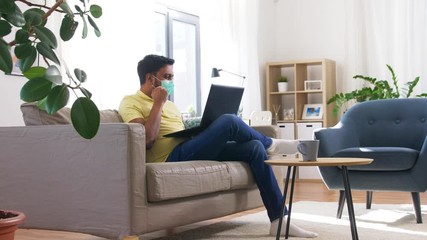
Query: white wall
{"points": [[10, 87], [302, 30]]}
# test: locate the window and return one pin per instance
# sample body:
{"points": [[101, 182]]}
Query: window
{"points": [[178, 37]]}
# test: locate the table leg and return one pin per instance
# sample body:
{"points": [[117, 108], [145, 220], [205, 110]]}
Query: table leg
{"points": [[288, 223], [349, 203], [282, 212]]}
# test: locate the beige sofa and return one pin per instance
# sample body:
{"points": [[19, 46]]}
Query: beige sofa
{"points": [[104, 186]]}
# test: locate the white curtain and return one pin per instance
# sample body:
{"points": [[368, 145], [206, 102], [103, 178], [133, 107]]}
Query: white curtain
{"points": [[392, 32], [111, 60], [229, 36]]}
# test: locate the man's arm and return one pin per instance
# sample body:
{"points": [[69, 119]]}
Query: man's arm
{"points": [[152, 123]]}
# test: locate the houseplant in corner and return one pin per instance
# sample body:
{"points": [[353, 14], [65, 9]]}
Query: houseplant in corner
{"points": [[9, 221], [376, 89], [282, 84], [31, 37], [27, 36]]}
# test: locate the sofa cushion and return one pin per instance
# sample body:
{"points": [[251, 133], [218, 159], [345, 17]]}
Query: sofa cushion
{"points": [[240, 175], [385, 158], [184, 179], [34, 116]]}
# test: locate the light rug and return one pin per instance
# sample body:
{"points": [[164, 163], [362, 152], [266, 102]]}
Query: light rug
{"points": [[381, 222]]}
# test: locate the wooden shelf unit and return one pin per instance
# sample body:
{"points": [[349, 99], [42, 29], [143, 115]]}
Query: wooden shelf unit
{"points": [[296, 96]]}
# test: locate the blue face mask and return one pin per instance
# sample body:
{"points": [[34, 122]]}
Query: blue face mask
{"points": [[168, 85]]}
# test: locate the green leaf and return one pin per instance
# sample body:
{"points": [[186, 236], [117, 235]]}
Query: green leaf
{"points": [[68, 28], [78, 9], [84, 31], [80, 75], [47, 52], [66, 8], [27, 62], [33, 17], [40, 13], [7, 6], [22, 36], [23, 50], [54, 75], [85, 117], [46, 36], [57, 98], [16, 18], [97, 31], [34, 72], [96, 11], [85, 92], [35, 89], [5, 28], [41, 104], [6, 63]]}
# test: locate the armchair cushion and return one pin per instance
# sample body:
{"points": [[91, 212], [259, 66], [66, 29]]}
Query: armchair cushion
{"points": [[385, 158]]}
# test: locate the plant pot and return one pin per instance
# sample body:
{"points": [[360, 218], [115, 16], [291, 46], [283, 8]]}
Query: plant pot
{"points": [[8, 226], [282, 86]]}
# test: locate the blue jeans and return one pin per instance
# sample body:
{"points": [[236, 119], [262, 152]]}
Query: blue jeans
{"points": [[228, 138]]}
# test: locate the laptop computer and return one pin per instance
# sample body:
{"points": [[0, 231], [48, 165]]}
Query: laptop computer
{"points": [[221, 100]]}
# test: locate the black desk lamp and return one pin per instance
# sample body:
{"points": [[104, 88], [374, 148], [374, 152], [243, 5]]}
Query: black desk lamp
{"points": [[215, 73]]}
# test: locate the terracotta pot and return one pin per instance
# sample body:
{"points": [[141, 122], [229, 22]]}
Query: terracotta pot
{"points": [[8, 226]]}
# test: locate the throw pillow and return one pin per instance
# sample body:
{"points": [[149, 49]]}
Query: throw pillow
{"points": [[34, 116]]}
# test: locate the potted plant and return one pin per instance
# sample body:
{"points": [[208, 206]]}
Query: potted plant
{"points": [[376, 89], [26, 36], [32, 37], [9, 221], [282, 84]]}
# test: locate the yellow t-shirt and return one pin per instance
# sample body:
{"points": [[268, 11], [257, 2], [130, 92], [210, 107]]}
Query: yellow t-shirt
{"points": [[139, 106]]}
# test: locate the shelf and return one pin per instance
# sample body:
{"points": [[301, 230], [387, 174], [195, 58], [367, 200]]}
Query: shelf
{"points": [[297, 73], [310, 91], [282, 93]]}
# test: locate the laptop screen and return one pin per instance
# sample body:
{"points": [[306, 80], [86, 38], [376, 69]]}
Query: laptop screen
{"points": [[221, 100]]}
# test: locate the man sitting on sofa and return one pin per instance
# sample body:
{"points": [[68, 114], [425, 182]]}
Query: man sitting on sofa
{"points": [[226, 138]]}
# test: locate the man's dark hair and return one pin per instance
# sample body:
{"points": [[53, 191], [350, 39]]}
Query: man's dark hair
{"points": [[152, 64]]}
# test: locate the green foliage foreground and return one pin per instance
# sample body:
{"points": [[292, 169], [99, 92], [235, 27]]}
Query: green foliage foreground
{"points": [[32, 39]]}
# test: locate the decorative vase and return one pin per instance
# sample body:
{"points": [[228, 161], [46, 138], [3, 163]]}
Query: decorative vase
{"points": [[282, 86], [9, 225]]}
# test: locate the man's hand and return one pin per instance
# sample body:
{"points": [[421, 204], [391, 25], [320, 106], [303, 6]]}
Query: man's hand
{"points": [[159, 94]]}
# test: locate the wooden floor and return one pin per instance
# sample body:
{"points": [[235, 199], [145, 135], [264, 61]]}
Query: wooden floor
{"points": [[304, 191]]}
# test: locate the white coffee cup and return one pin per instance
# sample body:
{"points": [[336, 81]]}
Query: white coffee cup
{"points": [[308, 149]]}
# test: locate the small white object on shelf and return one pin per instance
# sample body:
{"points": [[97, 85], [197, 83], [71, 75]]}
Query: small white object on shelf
{"points": [[312, 85]]}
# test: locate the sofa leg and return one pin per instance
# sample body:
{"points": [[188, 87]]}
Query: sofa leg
{"points": [[417, 206], [341, 202], [368, 199]]}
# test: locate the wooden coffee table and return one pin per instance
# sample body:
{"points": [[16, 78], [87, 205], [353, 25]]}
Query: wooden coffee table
{"points": [[323, 162]]}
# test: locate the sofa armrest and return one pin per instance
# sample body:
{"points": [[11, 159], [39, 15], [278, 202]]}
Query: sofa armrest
{"points": [[272, 131], [64, 182]]}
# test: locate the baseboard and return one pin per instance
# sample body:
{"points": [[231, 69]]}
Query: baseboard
{"points": [[309, 180]]}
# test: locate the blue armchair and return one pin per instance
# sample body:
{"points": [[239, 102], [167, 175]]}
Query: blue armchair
{"points": [[393, 133]]}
